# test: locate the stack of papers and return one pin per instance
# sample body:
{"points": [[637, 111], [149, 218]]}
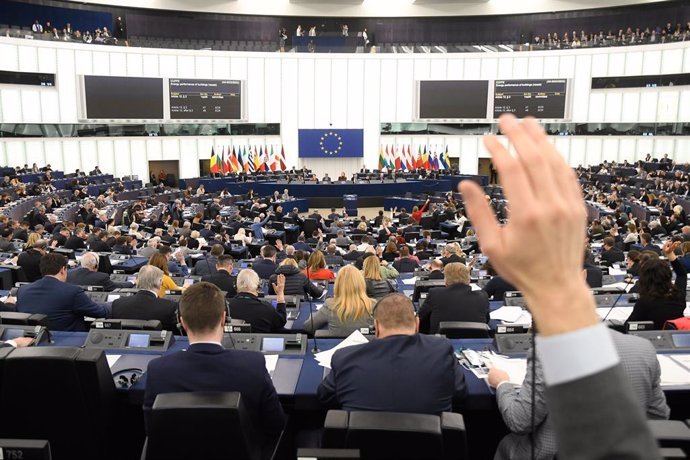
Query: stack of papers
{"points": [[512, 315], [674, 370], [516, 368], [613, 271], [622, 285], [615, 314], [324, 357]]}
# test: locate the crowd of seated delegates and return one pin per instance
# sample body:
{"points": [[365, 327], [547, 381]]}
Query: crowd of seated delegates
{"points": [[67, 33], [650, 35]]}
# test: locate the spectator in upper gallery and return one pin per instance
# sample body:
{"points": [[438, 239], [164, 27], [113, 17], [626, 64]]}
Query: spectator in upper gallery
{"points": [[299, 31], [312, 31], [37, 28]]}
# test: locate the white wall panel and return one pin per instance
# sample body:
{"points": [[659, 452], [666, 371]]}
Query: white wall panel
{"points": [[536, 67], [88, 149], [566, 67], [101, 62], [520, 67], [648, 105], [489, 68], [551, 67], [594, 150], [672, 61], [626, 147], [633, 64], [578, 154], [339, 92], [456, 68], [472, 69], [151, 65], [644, 145], [47, 60], [651, 63], [614, 102], [167, 66], [562, 144], [221, 66], [67, 85], [118, 64], [667, 106], [28, 59], [290, 108], [684, 105], [306, 85], [255, 94], [600, 65], [204, 67], [505, 68], [9, 58], [663, 145], [34, 152], [686, 60], [31, 104], [189, 158], [322, 93], [471, 149], [135, 65], [185, 67], [405, 90], [105, 157], [355, 93], [597, 107], [372, 114], [138, 159], [154, 148], [16, 152], [53, 153], [3, 155], [683, 150], [238, 67], [580, 86], [422, 70], [388, 83], [272, 78], [438, 68], [609, 146], [71, 156], [11, 105], [631, 106], [616, 63], [83, 63], [123, 160]]}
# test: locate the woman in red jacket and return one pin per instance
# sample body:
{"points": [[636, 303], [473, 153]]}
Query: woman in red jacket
{"points": [[417, 213], [316, 268]]}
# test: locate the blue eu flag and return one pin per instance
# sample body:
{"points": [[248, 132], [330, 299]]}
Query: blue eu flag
{"points": [[331, 143]]}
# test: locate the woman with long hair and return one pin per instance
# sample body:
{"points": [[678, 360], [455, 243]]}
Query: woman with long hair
{"points": [[161, 261], [377, 285], [349, 309], [316, 267], [660, 300]]}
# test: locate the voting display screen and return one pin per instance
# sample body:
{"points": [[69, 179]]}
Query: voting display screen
{"points": [[205, 99], [536, 98], [453, 99]]}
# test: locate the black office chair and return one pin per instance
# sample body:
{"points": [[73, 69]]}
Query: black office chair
{"points": [[463, 330], [73, 384], [400, 436], [33, 449], [309, 226], [222, 429]]}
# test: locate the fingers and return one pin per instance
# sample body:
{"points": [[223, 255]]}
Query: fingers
{"points": [[481, 215]]}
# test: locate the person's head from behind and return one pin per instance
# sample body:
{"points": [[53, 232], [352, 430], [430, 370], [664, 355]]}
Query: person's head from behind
{"points": [[609, 243], [54, 265], [316, 261], [89, 261], [217, 250], [268, 251], [202, 312], [645, 239], [436, 265], [331, 249], [655, 277], [371, 266], [160, 261], [404, 252], [225, 263], [150, 278], [456, 273], [394, 315], [248, 281], [350, 294]]}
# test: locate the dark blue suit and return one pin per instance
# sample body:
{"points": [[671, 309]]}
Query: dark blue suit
{"points": [[64, 303], [401, 373], [209, 367]]}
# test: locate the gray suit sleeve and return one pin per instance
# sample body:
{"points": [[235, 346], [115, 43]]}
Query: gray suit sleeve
{"points": [[598, 417], [656, 406], [515, 401], [317, 320]]}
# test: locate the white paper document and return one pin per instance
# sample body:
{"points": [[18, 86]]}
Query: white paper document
{"points": [[410, 281], [613, 271], [324, 357], [621, 285], [672, 372], [475, 287], [510, 314], [271, 363], [615, 314], [112, 359], [515, 367]]}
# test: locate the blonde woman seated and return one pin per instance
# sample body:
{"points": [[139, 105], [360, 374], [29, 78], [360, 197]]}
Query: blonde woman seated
{"points": [[348, 310], [316, 267], [242, 236], [377, 286], [161, 261], [388, 271]]}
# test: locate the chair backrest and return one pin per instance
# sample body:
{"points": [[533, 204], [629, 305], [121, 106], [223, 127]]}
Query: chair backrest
{"points": [[27, 319], [309, 226], [463, 329], [75, 383], [396, 435], [31, 449], [208, 425]]}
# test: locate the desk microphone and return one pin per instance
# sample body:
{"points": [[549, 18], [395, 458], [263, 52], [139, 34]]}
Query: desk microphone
{"points": [[624, 291]]}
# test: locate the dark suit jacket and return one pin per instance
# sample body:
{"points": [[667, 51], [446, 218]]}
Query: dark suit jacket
{"points": [[145, 305], [84, 277], [264, 268], [205, 266], [436, 275], [74, 242], [261, 315], [594, 276], [401, 373], [100, 246], [452, 258], [29, 261], [456, 302], [209, 367], [224, 281], [65, 304], [612, 255]]}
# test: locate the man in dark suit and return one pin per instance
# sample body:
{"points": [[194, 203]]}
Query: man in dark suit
{"points": [[455, 302], [207, 266], [353, 254], [266, 266], [646, 242], [451, 254], [436, 270], [6, 244], [366, 377], [65, 305], [88, 274], [223, 278], [77, 240], [611, 253], [145, 304], [207, 366], [246, 305]]}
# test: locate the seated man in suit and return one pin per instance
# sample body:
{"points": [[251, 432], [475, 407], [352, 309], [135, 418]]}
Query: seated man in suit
{"points": [[207, 366], [455, 302], [266, 266], [646, 243], [65, 304], [611, 253], [145, 304], [436, 270], [88, 274], [353, 254], [207, 266], [367, 377], [6, 244], [77, 240], [223, 278], [332, 257], [246, 305], [451, 254], [514, 401]]}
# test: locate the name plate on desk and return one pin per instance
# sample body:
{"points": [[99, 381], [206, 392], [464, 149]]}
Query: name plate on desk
{"points": [[666, 340], [270, 344], [121, 339]]}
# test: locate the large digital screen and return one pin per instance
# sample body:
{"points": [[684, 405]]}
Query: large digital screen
{"points": [[206, 99], [536, 98], [453, 98], [123, 97]]}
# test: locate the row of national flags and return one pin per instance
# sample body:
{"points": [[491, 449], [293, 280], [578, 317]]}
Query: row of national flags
{"points": [[231, 159], [403, 158]]}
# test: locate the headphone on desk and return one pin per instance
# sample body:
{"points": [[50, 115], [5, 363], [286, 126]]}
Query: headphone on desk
{"points": [[126, 378]]}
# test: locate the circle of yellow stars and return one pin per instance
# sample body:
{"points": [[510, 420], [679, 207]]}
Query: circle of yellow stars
{"points": [[325, 137]]}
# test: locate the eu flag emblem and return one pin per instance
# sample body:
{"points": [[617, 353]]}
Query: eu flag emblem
{"points": [[330, 143]]}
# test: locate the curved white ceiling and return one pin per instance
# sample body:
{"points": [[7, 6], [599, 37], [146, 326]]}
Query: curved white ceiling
{"points": [[369, 8]]}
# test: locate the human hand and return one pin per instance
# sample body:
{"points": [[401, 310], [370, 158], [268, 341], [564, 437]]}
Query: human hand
{"points": [[11, 299], [539, 250], [497, 376], [279, 286], [670, 248], [23, 341]]}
